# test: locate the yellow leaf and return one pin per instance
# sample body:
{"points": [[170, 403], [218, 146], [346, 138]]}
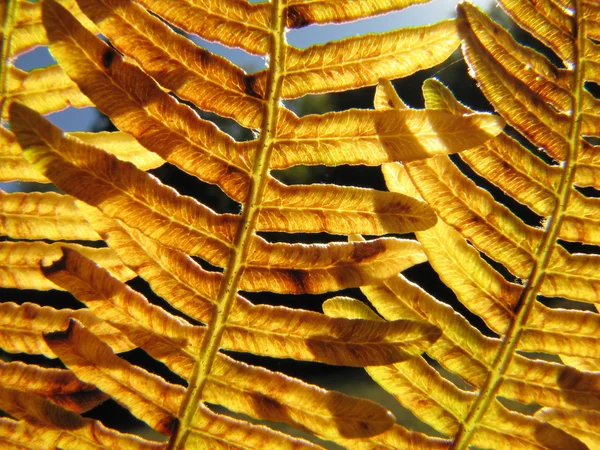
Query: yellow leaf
{"points": [[316, 268], [138, 106], [277, 397], [585, 425], [235, 23], [46, 425], [164, 339], [123, 146], [395, 438], [45, 90], [163, 336], [219, 432], [194, 74], [414, 383], [301, 12], [59, 386], [304, 335], [20, 263], [521, 174], [146, 395], [340, 210], [29, 31], [121, 190], [383, 136], [365, 59], [347, 307], [22, 328], [550, 24], [259, 329], [42, 216], [13, 166]]}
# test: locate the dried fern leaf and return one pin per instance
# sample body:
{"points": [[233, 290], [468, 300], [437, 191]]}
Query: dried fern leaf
{"points": [[12, 164], [277, 397], [42, 216], [45, 90], [20, 263], [128, 197], [509, 166], [440, 403], [270, 266], [194, 74], [551, 108], [482, 297], [317, 268], [383, 136], [170, 273], [526, 381], [223, 433], [28, 31], [269, 331], [339, 210], [165, 337], [14, 167], [146, 395], [123, 146], [155, 230], [548, 23], [366, 59], [266, 330], [585, 425], [23, 327], [142, 392], [235, 23], [339, 342], [478, 217], [306, 12], [397, 437], [138, 106], [51, 425], [59, 386]]}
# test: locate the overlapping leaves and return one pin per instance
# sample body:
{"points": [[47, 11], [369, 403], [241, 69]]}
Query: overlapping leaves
{"points": [[154, 232], [500, 268]]}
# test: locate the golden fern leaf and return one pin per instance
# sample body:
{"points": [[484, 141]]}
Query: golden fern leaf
{"points": [[206, 265], [554, 111]]}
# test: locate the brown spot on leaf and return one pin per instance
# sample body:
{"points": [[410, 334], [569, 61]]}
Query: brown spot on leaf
{"points": [[295, 18], [204, 57], [58, 265], [109, 57], [366, 250], [60, 336], [300, 281], [168, 425], [249, 86]]}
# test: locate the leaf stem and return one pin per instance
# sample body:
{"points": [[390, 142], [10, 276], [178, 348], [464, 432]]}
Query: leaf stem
{"points": [[527, 299], [243, 239]]}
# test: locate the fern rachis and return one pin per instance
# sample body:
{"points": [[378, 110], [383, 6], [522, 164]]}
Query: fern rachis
{"points": [[154, 232]]}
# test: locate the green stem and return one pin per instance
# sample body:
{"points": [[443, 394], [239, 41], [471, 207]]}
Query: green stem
{"points": [[233, 273]]}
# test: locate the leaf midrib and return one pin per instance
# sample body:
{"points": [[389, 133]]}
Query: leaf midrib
{"points": [[545, 250], [230, 283]]}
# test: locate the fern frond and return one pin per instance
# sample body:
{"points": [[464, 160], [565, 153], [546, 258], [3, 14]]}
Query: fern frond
{"points": [[366, 59], [554, 111], [24, 326], [42, 423], [202, 262]]}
